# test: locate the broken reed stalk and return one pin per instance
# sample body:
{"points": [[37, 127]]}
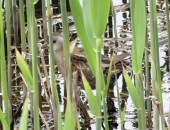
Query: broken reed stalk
{"points": [[115, 23], [147, 84]]}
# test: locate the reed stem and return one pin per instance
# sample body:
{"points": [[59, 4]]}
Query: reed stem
{"points": [[98, 81], [156, 76], [9, 68], [3, 70], [55, 98], [22, 26], [34, 69], [66, 48]]}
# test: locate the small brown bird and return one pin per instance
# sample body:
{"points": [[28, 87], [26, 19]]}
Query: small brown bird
{"points": [[78, 59]]}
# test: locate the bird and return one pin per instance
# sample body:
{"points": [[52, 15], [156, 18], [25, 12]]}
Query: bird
{"points": [[79, 64], [79, 60]]}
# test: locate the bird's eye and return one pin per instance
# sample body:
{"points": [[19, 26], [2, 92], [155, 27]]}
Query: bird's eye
{"points": [[54, 41]]}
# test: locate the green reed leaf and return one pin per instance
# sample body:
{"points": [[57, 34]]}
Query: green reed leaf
{"points": [[72, 45], [92, 100], [69, 123], [99, 11], [3, 72], [77, 13], [138, 20], [87, 22], [24, 117], [24, 69], [34, 1], [122, 118], [4, 121], [132, 90], [108, 76]]}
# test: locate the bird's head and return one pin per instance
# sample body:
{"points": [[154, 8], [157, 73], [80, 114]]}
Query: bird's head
{"points": [[58, 43]]}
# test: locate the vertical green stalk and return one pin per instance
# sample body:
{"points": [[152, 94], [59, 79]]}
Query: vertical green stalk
{"points": [[22, 30], [138, 23], [156, 76], [8, 37], [97, 13], [105, 113], [22, 26], [4, 121], [69, 110], [28, 8], [66, 47], [141, 110], [55, 98], [33, 35], [3, 69], [98, 80], [153, 40]]}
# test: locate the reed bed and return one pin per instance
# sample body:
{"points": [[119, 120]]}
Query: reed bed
{"points": [[37, 76]]}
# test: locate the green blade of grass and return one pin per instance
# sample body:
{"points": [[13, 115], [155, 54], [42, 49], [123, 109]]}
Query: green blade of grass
{"points": [[69, 124], [92, 100], [3, 75], [24, 117], [108, 76], [34, 1], [87, 21], [77, 13], [99, 11], [138, 20], [55, 97], [122, 118], [105, 114], [25, 70], [4, 121], [132, 90]]}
